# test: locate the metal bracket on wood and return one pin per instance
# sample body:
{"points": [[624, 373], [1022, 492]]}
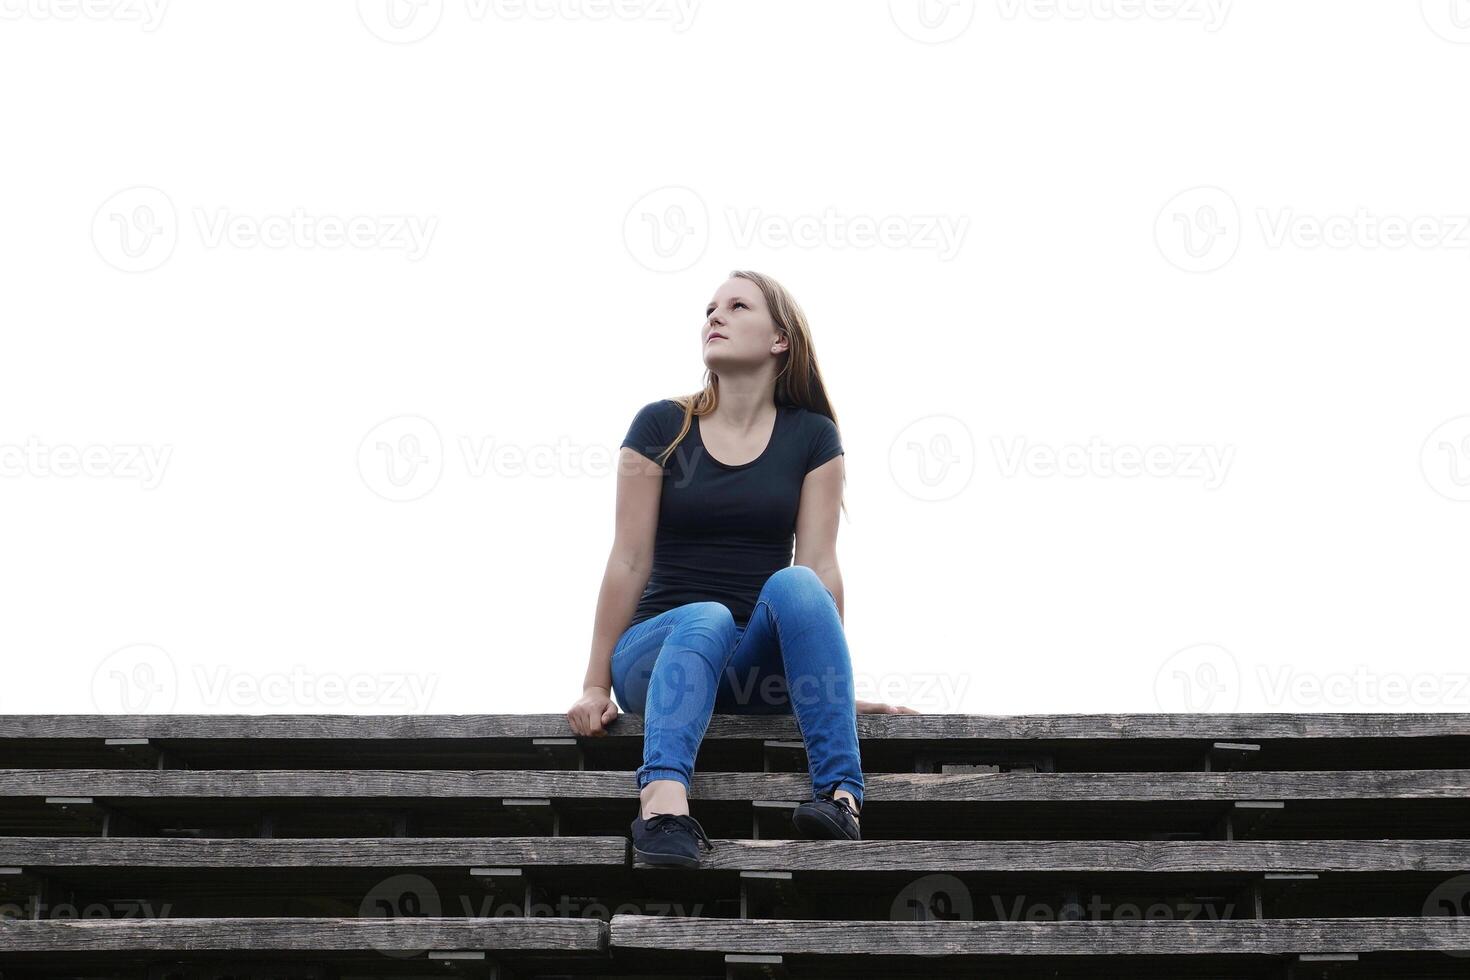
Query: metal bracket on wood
{"points": [[536, 812], [1244, 818], [754, 966], [468, 962], [563, 753], [1230, 756], [499, 881], [763, 814], [42, 886], [138, 752], [982, 760], [1314, 966], [761, 890], [1215, 907], [84, 810], [1280, 884]]}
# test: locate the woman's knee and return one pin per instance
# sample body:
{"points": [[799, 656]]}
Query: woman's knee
{"points": [[706, 627], [799, 582], [710, 617]]}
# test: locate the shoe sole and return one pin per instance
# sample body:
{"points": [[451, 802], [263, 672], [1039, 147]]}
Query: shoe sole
{"points": [[820, 826], [667, 860]]}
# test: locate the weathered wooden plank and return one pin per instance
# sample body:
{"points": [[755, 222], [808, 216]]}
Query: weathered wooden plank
{"points": [[1248, 726], [375, 852], [503, 933], [1074, 938], [1397, 784], [1168, 856], [704, 934]]}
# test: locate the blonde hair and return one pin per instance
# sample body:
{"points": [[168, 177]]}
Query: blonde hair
{"points": [[798, 383]]}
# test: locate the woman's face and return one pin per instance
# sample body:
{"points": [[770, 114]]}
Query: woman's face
{"points": [[738, 329]]}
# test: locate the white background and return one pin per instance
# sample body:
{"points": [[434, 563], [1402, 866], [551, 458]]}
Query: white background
{"points": [[1230, 231]]}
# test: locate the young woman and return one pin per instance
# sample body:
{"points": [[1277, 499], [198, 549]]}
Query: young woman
{"points": [[702, 609]]}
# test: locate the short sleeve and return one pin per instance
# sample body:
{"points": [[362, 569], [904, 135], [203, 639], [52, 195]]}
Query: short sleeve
{"points": [[825, 444], [646, 434]]}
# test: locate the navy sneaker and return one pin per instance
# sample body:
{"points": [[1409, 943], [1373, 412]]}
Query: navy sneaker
{"points": [[827, 817], [670, 839]]}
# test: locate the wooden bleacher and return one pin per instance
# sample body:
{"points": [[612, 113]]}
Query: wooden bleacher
{"points": [[173, 847]]}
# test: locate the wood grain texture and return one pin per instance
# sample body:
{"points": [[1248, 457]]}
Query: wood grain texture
{"points": [[1082, 938], [1397, 784], [375, 852], [1176, 856], [1246, 726], [1448, 856], [505, 933]]}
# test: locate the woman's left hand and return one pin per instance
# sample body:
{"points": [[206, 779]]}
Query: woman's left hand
{"points": [[880, 708]]}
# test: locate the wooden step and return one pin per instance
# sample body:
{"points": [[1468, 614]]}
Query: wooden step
{"points": [[1075, 938], [731, 854], [377, 852], [946, 727], [925, 788], [218, 826], [1089, 856], [411, 935], [890, 743]]}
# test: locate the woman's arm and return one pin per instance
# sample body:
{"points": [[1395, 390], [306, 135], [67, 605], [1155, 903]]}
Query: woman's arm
{"points": [[622, 584], [816, 525], [640, 483]]}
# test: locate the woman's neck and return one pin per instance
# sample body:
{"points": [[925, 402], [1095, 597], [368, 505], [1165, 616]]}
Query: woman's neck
{"points": [[742, 408]]}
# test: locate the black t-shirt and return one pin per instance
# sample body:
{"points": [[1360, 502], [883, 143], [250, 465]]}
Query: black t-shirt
{"points": [[723, 530]]}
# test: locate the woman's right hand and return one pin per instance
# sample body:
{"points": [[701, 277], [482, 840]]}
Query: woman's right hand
{"points": [[593, 710], [880, 708]]}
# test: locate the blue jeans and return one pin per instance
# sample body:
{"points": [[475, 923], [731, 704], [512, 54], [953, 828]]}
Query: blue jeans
{"points": [[679, 667]]}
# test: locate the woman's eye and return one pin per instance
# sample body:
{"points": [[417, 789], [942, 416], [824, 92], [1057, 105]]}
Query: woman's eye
{"points": [[738, 303]]}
